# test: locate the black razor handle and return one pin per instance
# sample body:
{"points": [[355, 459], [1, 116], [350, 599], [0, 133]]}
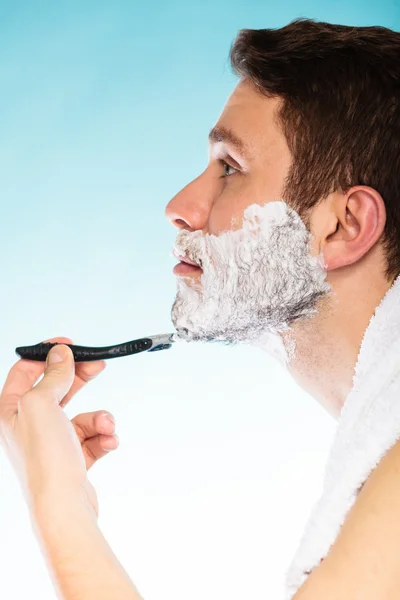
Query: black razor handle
{"points": [[86, 353]]}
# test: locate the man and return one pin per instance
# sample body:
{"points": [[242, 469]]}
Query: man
{"points": [[314, 121], [290, 239]]}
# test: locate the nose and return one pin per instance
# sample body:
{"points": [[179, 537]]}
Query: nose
{"points": [[190, 208]]}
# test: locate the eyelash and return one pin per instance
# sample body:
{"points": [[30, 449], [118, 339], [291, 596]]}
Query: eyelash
{"points": [[225, 164]]}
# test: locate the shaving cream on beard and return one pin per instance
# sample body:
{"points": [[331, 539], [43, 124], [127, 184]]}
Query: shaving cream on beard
{"points": [[256, 281]]}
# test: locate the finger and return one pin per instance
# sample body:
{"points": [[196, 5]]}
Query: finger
{"points": [[59, 340], [89, 424], [25, 373], [58, 376], [97, 447], [84, 372]]}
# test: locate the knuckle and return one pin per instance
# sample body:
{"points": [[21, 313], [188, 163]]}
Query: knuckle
{"points": [[78, 427], [54, 371], [91, 453], [29, 396]]}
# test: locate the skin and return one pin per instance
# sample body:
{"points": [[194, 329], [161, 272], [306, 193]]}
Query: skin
{"points": [[95, 431], [346, 228], [51, 455], [363, 561]]}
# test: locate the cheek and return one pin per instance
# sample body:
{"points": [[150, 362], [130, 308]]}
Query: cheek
{"points": [[228, 209], [225, 219]]}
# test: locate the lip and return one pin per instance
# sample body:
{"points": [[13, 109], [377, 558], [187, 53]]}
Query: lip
{"points": [[183, 269], [185, 259]]}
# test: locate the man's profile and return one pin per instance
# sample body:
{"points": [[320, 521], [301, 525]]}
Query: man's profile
{"points": [[292, 234]]}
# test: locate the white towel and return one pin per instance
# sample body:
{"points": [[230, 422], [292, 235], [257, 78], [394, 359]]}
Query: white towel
{"points": [[368, 426]]}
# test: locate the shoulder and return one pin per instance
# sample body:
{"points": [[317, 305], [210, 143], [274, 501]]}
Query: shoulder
{"points": [[364, 561]]}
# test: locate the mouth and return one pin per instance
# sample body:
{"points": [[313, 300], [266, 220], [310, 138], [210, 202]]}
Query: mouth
{"points": [[186, 266]]}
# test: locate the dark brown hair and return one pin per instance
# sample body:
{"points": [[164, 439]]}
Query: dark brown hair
{"points": [[340, 113]]}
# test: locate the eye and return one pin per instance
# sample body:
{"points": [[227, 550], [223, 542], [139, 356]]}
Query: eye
{"points": [[228, 168]]}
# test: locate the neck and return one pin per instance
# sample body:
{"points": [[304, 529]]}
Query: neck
{"points": [[328, 344]]}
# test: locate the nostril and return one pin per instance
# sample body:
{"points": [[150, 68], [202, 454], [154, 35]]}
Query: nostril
{"points": [[180, 223]]}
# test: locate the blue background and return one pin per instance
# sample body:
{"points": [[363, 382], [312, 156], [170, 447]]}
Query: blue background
{"points": [[105, 109]]}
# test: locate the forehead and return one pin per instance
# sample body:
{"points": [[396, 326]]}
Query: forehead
{"points": [[252, 117]]}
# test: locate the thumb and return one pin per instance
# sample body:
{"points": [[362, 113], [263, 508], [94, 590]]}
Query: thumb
{"points": [[59, 374]]}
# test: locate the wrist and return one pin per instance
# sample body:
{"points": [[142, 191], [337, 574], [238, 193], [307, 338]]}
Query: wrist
{"points": [[81, 562], [49, 509]]}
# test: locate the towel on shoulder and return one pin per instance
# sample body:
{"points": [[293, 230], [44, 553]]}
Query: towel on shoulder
{"points": [[368, 426]]}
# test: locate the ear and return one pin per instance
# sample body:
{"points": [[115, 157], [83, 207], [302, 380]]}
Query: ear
{"points": [[360, 220]]}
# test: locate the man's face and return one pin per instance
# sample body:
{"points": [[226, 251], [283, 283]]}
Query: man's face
{"points": [[257, 271], [215, 201]]}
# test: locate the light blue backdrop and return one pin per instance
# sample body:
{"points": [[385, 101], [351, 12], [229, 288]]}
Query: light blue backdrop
{"points": [[105, 109]]}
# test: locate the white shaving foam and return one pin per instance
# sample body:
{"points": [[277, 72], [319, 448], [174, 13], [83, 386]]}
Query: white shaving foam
{"points": [[256, 281]]}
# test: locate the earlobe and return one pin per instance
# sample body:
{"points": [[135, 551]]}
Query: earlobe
{"points": [[361, 220]]}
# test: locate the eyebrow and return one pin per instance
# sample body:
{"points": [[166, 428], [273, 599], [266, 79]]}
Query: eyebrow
{"points": [[222, 134]]}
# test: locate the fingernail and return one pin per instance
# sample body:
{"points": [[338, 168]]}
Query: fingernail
{"points": [[55, 355], [109, 417]]}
